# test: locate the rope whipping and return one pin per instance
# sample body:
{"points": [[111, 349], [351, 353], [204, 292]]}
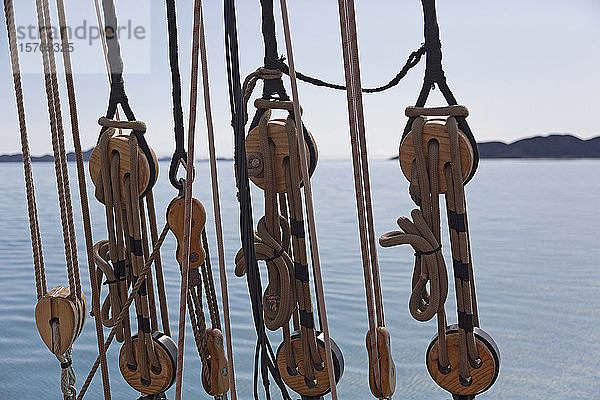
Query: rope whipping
{"points": [[264, 353]]}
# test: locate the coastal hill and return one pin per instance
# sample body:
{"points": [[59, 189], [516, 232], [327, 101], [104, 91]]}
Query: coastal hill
{"points": [[551, 146]]}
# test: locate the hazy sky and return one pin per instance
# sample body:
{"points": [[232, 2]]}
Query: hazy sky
{"points": [[523, 67]]}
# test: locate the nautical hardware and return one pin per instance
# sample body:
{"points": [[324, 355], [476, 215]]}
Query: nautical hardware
{"points": [[295, 378], [160, 378], [462, 359], [282, 250], [57, 305], [175, 218], [60, 313], [186, 218], [124, 171], [215, 376], [145, 357]]}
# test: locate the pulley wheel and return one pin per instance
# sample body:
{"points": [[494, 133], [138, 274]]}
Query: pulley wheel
{"points": [[120, 144], [277, 132], [166, 350], [482, 378], [438, 132], [296, 381], [57, 305]]}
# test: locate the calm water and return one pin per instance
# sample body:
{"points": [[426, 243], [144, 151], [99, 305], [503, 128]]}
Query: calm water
{"points": [[535, 227]]}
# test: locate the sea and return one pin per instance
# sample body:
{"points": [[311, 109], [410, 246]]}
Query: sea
{"points": [[535, 237]]}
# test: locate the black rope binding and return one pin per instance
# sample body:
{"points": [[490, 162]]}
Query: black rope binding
{"points": [[434, 75], [117, 87], [264, 352]]}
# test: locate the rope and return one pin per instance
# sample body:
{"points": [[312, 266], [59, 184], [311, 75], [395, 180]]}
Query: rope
{"points": [[60, 165], [361, 178], [36, 240], [412, 61], [423, 234], [179, 153], [314, 250], [188, 197], [67, 376], [124, 314], [216, 321], [434, 74], [264, 352], [83, 194]]}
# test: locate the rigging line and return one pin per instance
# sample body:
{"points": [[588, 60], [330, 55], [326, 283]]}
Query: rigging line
{"points": [[102, 31], [359, 109], [236, 103], [36, 239], [179, 153], [83, 197], [353, 115], [57, 133], [217, 205], [188, 197], [308, 201], [413, 60]]}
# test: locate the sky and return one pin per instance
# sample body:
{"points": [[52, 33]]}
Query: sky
{"points": [[522, 67]]}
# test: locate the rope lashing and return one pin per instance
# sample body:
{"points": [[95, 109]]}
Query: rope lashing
{"points": [[437, 159]]}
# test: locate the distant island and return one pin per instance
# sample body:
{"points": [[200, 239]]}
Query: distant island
{"points": [[71, 157], [551, 146]]}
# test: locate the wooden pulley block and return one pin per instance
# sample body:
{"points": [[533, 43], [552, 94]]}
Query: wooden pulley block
{"points": [[483, 377], [387, 370], [120, 144], [277, 132], [215, 375], [436, 131], [176, 220], [166, 350], [57, 305], [295, 380]]}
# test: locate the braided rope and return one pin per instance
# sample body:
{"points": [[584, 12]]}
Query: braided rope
{"points": [[36, 240]]}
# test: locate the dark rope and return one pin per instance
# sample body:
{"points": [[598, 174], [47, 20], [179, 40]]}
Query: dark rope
{"points": [[412, 61], [273, 88], [180, 152], [118, 95], [236, 100], [434, 75]]}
